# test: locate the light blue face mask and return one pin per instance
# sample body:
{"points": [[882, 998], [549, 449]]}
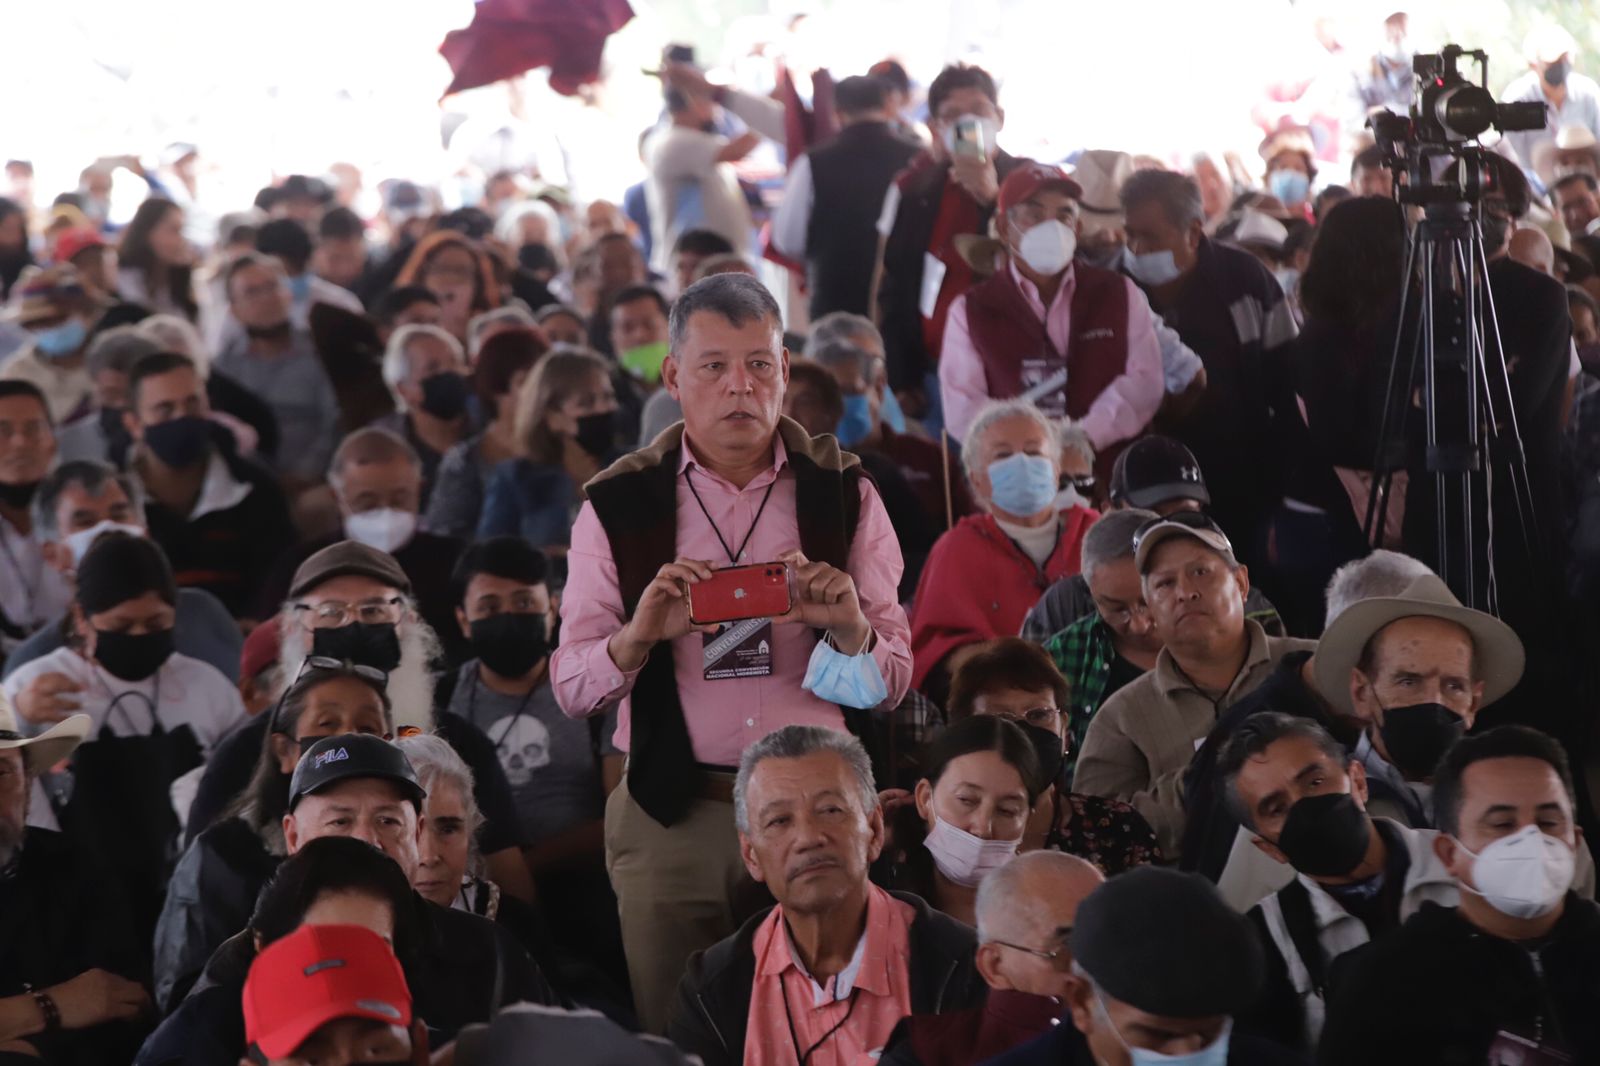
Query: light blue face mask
{"points": [[857, 420], [890, 411], [1022, 484], [1213, 1054], [1152, 268], [57, 342], [300, 287], [1290, 186], [848, 680]]}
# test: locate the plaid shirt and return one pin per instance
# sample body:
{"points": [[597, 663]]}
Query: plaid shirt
{"points": [[1083, 652]]}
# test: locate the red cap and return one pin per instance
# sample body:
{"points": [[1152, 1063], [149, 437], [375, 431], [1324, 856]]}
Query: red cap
{"points": [[260, 649], [319, 974], [1029, 178], [70, 243]]}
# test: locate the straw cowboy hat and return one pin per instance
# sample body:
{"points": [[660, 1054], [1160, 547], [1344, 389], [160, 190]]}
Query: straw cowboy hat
{"points": [[48, 748], [1497, 650]]}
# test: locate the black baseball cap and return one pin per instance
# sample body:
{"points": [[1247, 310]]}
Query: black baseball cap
{"points": [[1155, 470], [334, 759]]}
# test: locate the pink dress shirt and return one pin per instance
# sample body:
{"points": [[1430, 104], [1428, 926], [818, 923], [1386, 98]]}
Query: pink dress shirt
{"points": [[874, 991], [725, 717], [1125, 407]]}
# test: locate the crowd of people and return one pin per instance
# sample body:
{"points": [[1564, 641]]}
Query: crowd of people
{"points": [[943, 617]]}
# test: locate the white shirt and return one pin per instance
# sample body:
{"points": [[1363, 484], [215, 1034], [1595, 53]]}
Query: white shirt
{"points": [[681, 159], [67, 390], [1037, 542], [792, 220], [219, 491], [31, 593]]}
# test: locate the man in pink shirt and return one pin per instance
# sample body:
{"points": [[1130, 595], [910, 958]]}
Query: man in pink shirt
{"points": [[733, 484], [822, 978], [1077, 340]]}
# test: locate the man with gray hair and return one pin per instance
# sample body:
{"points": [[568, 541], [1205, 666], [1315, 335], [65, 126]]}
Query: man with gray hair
{"points": [[733, 484], [77, 502], [839, 961], [426, 371], [1025, 911], [850, 346], [1116, 642], [480, 327], [100, 435]]}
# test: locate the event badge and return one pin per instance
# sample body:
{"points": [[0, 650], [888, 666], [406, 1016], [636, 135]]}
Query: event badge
{"points": [[739, 649]]}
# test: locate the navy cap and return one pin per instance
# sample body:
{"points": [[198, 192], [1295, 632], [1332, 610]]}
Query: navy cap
{"points": [[334, 759]]}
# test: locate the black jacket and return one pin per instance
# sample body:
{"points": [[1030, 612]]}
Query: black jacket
{"points": [[1065, 1046], [1436, 990], [714, 995], [850, 173], [464, 969]]}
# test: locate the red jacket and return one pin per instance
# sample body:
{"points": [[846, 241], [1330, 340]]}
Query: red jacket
{"points": [[978, 585]]}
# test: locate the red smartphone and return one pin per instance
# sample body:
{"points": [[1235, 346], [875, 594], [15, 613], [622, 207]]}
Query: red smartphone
{"points": [[739, 592]]}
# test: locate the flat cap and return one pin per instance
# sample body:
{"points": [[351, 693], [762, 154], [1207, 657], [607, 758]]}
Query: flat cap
{"points": [[344, 558]]}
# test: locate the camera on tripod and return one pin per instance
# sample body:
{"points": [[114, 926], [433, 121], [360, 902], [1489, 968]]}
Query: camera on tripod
{"points": [[1435, 147]]}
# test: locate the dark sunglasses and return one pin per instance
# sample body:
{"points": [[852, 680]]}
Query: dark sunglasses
{"points": [[370, 674], [1197, 520]]}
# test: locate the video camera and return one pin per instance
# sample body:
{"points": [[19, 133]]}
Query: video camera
{"points": [[1435, 147]]}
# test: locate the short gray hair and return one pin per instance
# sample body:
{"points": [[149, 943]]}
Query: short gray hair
{"points": [[434, 760], [177, 334], [1383, 573], [118, 348], [370, 444], [838, 353], [516, 312], [999, 411], [1074, 438], [91, 477], [397, 355], [1111, 538], [840, 326], [796, 742], [1002, 898], [1178, 195], [739, 298]]}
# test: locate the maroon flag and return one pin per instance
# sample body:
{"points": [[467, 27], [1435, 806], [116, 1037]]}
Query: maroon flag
{"points": [[509, 37]]}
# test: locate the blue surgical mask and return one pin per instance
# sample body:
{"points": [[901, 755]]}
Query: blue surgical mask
{"points": [[891, 413], [857, 420], [1022, 484], [1152, 268], [300, 287], [1213, 1054], [58, 342], [848, 680], [1288, 278], [1290, 186]]}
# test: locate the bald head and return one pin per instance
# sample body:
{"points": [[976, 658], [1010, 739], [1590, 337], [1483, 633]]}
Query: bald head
{"points": [[1532, 248], [1033, 893]]}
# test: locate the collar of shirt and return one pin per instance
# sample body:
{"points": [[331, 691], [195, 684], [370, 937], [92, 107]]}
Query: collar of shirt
{"points": [[1377, 766], [1171, 679], [780, 460], [869, 963], [1030, 292], [220, 490]]}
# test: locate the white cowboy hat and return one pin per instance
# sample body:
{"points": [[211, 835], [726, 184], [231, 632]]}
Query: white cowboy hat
{"points": [[48, 748], [1497, 650]]}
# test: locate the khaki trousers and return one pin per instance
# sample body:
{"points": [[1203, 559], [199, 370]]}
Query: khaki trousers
{"points": [[679, 889]]}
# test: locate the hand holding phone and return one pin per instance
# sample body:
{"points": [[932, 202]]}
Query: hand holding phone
{"points": [[735, 593], [825, 598]]}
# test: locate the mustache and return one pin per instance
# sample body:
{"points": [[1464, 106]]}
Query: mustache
{"points": [[812, 864]]}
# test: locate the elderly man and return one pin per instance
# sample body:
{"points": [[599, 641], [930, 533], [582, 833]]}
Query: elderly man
{"points": [[1140, 744], [100, 434], [1116, 642], [1230, 310], [851, 347], [1570, 99], [1515, 965], [220, 518], [826, 974], [1078, 341], [70, 990], [277, 361], [354, 603], [31, 593], [1160, 966], [1025, 913], [377, 479], [1304, 800], [983, 574], [732, 485], [77, 502], [426, 370], [51, 304]]}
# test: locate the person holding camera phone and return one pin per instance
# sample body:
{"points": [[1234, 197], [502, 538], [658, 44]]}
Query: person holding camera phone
{"points": [[732, 485]]}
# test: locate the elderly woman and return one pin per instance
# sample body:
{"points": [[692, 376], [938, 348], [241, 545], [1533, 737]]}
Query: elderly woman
{"points": [[989, 569]]}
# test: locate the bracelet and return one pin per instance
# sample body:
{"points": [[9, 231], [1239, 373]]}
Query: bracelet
{"points": [[47, 1008]]}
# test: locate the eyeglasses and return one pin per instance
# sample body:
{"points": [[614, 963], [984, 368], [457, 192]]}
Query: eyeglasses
{"points": [[1197, 520], [1042, 717], [335, 613], [1060, 958], [370, 674]]}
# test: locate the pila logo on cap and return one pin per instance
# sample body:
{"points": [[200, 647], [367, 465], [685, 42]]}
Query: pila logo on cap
{"points": [[324, 758]]}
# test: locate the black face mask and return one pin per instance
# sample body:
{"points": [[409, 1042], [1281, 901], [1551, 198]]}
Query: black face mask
{"points": [[132, 657], [1047, 746], [597, 434], [1555, 75], [18, 496], [1495, 231], [510, 644], [276, 332], [375, 644], [179, 442], [1417, 736], [445, 395], [1325, 836], [114, 429]]}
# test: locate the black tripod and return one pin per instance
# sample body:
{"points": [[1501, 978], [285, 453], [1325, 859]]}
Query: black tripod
{"points": [[1471, 438]]}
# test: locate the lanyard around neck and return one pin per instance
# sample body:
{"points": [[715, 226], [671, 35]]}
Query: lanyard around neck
{"points": [[733, 557]]}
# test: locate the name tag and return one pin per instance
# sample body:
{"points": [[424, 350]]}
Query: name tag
{"points": [[738, 649]]}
